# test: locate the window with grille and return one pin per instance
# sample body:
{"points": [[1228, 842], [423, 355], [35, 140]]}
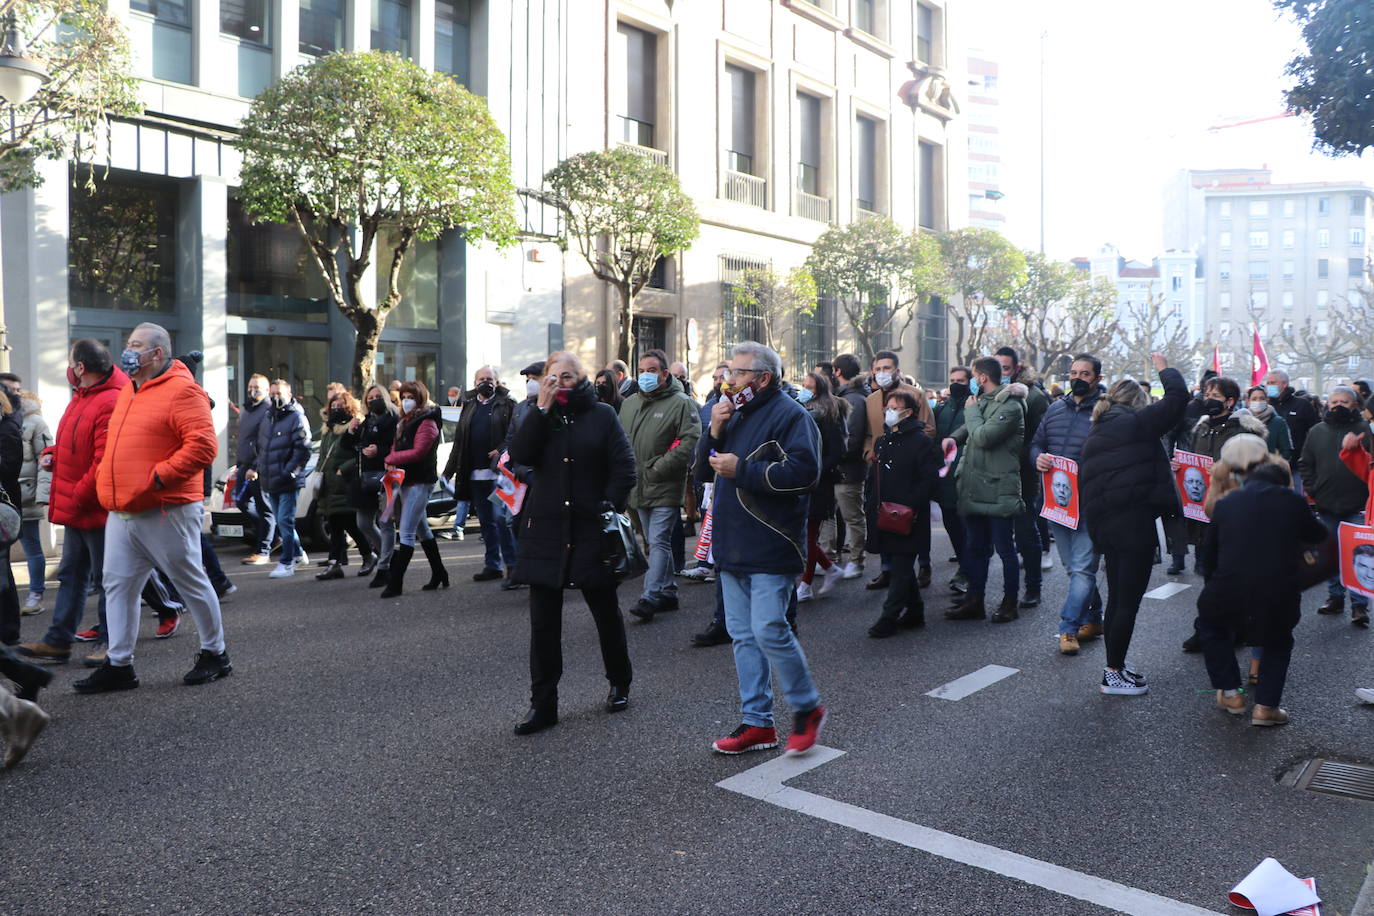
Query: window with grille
{"points": [[933, 325], [650, 334], [816, 335], [740, 319]]}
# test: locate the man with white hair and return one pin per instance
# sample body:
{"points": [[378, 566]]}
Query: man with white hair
{"points": [[765, 451], [160, 439]]}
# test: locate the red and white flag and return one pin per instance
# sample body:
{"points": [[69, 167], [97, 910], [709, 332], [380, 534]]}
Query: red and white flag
{"points": [[1216, 360], [1259, 362]]}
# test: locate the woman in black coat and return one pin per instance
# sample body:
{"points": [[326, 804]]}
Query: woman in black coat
{"points": [[1250, 554], [830, 414], [905, 473], [1124, 485], [11, 461], [372, 438], [583, 466]]}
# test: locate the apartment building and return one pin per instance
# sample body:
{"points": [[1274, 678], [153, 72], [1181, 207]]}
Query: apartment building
{"points": [[781, 118], [1169, 284], [984, 127]]}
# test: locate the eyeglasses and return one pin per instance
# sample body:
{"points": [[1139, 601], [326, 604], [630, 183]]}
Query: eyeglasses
{"points": [[732, 373]]}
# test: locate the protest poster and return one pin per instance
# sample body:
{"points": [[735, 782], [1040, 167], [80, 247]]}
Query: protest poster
{"points": [[703, 549], [1061, 492], [391, 490], [508, 491], [1357, 558], [1193, 476]]}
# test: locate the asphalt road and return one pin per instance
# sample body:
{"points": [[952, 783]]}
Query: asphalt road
{"points": [[360, 759]]}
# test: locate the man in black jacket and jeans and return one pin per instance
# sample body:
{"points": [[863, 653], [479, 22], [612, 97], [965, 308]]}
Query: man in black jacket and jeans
{"points": [[1295, 409], [252, 502], [481, 432], [849, 492]]}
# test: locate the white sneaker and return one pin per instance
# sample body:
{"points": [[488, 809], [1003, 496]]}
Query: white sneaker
{"points": [[696, 572], [803, 591], [853, 570], [32, 605], [1046, 561], [1365, 694], [832, 577], [283, 571]]}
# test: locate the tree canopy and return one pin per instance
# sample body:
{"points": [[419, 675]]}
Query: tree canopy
{"points": [[1335, 77], [359, 145], [984, 269]]}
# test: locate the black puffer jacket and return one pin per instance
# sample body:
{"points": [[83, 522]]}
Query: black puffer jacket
{"points": [[832, 451], [853, 467], [906, 472], [1294, 407], [581, 458], [459, 467], [283, 449], [1124, 477], [374, 430]]}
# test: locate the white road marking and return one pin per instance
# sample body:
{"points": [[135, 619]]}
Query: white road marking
{"points": [[765, 783], [972, 683], [1168, 590]]}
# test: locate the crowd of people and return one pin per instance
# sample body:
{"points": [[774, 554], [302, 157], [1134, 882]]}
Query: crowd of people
{"points": [[780, 491]]}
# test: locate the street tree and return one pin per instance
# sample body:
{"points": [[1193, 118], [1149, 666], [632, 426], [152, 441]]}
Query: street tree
{"points": [[364, 149], [1144, 328], [776, 302], [1334, 82], [880, 274], [1321, 348], [85, 53], [1059, 311], [982, 270], [624, 211]]}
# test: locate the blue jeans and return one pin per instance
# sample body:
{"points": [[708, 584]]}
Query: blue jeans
{"points": [[33, 552], [284, 511], [83, 560], [258, 508], [414, 500], [1334, 589], [658, 523], [495, 522], [756, 618], [460, 515], [1084, 603], [984, 534]]}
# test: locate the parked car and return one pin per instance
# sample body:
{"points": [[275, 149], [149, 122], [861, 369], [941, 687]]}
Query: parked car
{"points": [[227, 520]]}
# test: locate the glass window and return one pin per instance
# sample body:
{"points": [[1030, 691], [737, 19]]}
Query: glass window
{"points": [[169, 12], [1259, 270], [162, 47], [741, 150], [1259, 208], [1223, 239], [809, 159], [1323, 296], [391, 26], [271, 273], [1289, 238], [866, 162], [1357, 236], [1290, 208], [1224, 299], [650, 334], [245, 19], [930, 181], [1357, 206], [303, 363], [1259, 240], [1259, 299], [640, 53], [1225, 329], [1355, 267], [1224, 267], [322, 26], [866, 16], [1288, 270], [815, 336], [121, 248], [925, 33], [1323, 206], [1288, 299], [1176, 283], [1323, 238], [453, 38], [1322, 268], [419, 283]]}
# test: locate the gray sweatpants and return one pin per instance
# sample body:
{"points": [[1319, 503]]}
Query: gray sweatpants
{"points": [[168, 539]]}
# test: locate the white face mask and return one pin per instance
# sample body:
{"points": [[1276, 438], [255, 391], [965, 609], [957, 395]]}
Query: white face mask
{"points": [[531, 388], [892, 416], [1258, 406], [883, 379], [407, 404]]}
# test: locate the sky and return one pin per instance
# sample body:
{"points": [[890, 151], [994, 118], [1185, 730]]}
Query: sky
{"points": [[1130, 92]]}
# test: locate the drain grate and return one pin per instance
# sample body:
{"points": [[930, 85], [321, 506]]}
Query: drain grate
{"points": [[1330, 777]]}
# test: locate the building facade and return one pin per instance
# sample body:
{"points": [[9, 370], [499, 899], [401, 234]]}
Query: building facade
{"points": [[984, 143], [1168, 286]]}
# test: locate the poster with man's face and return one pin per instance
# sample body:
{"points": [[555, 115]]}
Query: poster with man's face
{"points": [[1357, 558], [1193, 476], [1061, 492]]}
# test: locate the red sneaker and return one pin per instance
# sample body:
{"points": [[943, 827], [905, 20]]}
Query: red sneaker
{"points": [[805, 732], [166, 628], [88, 635], [747, 738]]}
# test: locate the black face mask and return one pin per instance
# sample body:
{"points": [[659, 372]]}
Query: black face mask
{"points": [[486, 389], [1340, 415], [278, 401], [339, 415], [1080, 387], [377, 406], [958, 392], [605, 393], [1214, 407]]}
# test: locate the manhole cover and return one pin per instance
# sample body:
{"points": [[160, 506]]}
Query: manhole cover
{"points": [[1330, 777]]}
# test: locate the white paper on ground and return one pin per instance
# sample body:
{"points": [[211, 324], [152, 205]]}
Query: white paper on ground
{"points": [[1271, 890]]}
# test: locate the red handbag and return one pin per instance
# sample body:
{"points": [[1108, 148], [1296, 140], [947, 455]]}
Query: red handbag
{"points": [[894, 518]]}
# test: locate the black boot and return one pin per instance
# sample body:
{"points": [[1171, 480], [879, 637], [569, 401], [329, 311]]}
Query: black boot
{"points": [[971, 608], [438, 576], [914, 617], [397, 573], [29, 677], [885, 627], [1006, 611], [380, 579]]}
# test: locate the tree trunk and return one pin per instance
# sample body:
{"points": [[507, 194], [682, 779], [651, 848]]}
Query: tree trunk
{"points": [[627, 306], [368, 326]]}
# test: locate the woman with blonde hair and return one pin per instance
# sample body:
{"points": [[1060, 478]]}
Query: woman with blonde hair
{"points": [[1250, 556], [1124, 485]]}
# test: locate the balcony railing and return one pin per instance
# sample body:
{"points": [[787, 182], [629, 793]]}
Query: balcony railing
{"points": [[746, 189], [809, 206], [657, 155]]}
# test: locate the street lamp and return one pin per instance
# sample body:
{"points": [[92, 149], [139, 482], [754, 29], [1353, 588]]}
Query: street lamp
{"points": [[20, 77]]}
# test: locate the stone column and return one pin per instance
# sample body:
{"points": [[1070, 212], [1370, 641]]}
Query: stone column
{"points": [[202, 231]]}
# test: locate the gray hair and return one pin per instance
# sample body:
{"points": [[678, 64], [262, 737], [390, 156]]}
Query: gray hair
{"points": [[765, 358], [160, 337], [1348, 391], [1281, 374]]}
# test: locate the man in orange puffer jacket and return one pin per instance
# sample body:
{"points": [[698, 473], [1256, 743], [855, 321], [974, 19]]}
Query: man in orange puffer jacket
{"points": [[160, 439]]}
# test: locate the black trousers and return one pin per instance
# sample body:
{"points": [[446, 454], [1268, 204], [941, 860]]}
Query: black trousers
{"points": [[1128, 575], [954, 526], [546, 641], [1219, 651], [902, 591], [9, 603], [341, 524]]}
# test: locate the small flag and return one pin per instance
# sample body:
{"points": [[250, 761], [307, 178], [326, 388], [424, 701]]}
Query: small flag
{"points": [[1259, 362]]}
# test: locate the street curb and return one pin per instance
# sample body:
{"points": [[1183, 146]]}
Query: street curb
{"points": [[1364, 904]]}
